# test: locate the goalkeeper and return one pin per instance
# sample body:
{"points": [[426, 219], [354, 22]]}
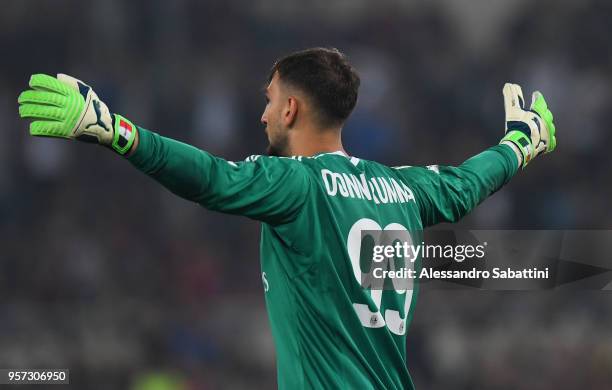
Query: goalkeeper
{"points": [[329, 331]]}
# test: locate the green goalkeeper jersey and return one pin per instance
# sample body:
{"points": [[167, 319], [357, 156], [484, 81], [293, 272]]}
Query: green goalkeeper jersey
{"points": [[329, 331]]}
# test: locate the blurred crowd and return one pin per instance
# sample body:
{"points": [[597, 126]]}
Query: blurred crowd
{"points": [[104, 272]]}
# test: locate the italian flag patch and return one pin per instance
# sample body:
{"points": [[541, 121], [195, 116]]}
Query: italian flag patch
{"points": [[125, 129], [125, 132]]}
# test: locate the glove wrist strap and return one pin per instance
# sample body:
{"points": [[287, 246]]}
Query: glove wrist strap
{"points": [[521, 143]]}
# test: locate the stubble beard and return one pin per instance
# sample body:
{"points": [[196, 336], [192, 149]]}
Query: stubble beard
{"points": [[279, 147]]}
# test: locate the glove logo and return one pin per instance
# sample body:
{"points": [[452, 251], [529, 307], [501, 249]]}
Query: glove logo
{"points": [[83, 89], [98, 121]]}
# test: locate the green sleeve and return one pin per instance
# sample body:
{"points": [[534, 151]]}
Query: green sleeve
{"points": [[447, 194], [269, 189]]}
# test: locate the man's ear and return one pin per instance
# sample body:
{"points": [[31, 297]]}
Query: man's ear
{"points": [[290, 112]]}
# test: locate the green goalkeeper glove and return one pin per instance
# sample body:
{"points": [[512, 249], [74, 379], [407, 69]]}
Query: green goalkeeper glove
{"points": [[529, 132], [65, 107]]}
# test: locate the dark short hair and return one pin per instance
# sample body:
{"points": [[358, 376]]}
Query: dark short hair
{"points": [[326, 77]]}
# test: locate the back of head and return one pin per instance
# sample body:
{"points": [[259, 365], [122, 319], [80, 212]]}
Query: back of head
{"points": [[326, 78]]}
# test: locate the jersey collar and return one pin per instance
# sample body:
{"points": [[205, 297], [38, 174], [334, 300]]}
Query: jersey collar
{"points": [[338, 152], [354, 160]]}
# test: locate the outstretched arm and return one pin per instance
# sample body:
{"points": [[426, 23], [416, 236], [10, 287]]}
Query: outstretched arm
{"points": [[269, 189], [446, 194]]}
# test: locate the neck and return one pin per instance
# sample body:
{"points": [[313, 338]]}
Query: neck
{"points": [[309, 142]]}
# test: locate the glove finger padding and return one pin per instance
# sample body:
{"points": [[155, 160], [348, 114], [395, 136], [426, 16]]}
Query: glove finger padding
{"points": [[53, 102], [42, 97], [37, 111], [47, 129], [547, 135], [45, 101], [43, 82]]}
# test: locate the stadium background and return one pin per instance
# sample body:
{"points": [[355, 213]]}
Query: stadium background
{"points": [[106, 273]]}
